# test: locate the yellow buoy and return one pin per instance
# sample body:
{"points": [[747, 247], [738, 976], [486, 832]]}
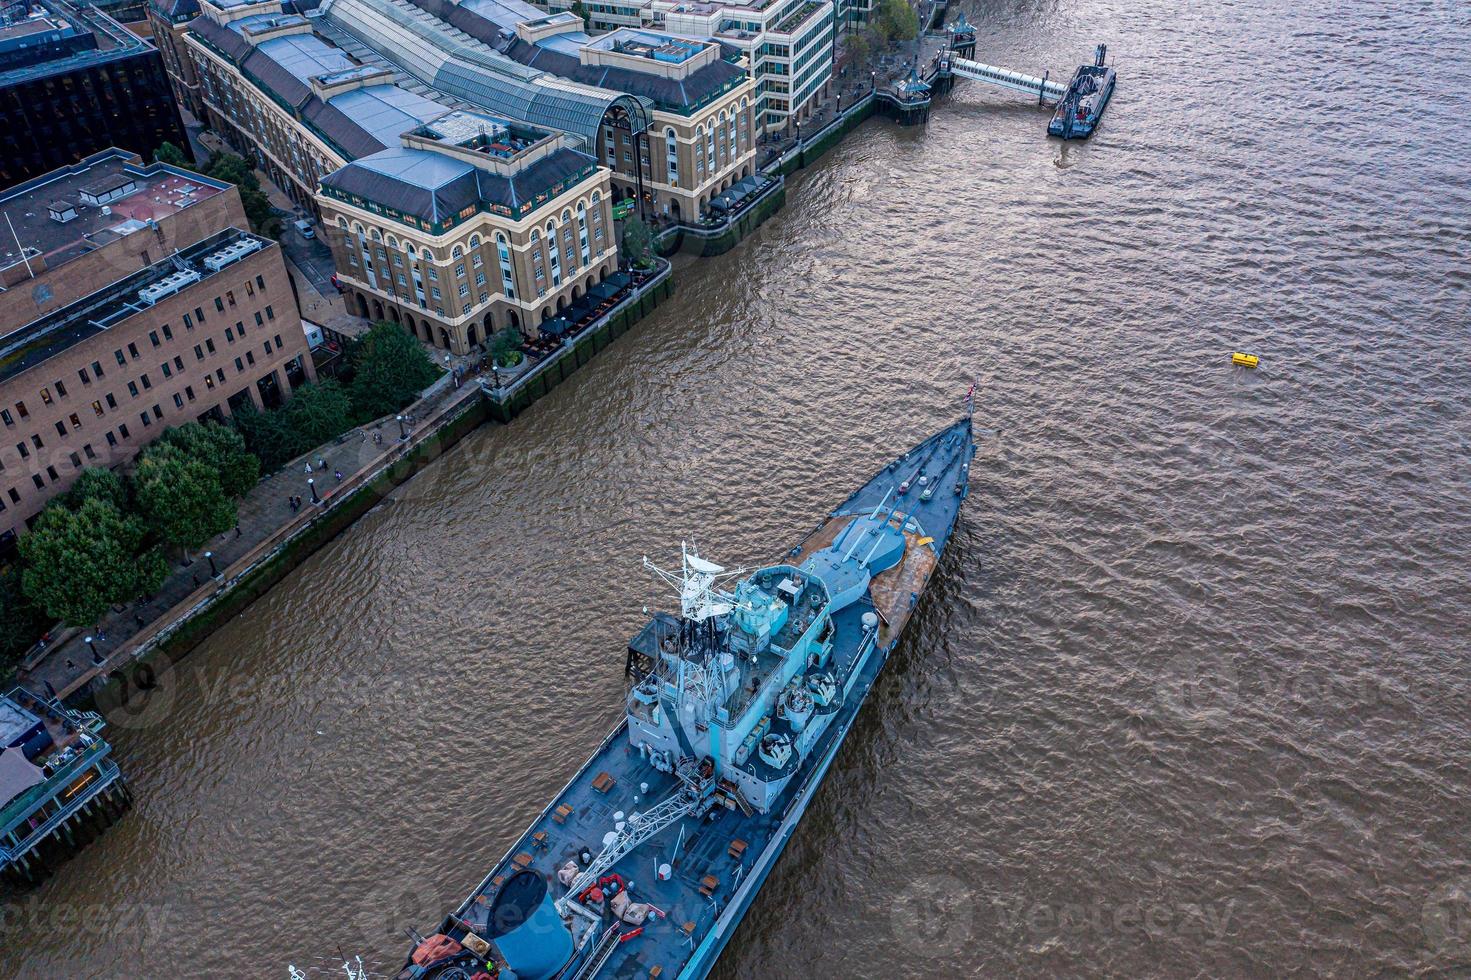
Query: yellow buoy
{"points": [[1245, 360]]}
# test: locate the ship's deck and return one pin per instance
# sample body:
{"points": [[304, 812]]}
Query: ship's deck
{"points": [[711, 857]]}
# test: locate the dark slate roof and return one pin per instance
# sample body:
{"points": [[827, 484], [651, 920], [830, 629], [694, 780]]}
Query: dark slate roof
{"points": [[378, 179], [173, 9], [287, 87], [335, 125], [693, 90], [222, 38]]}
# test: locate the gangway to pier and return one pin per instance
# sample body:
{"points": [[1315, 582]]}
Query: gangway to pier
{"points": [[1043, 88]]}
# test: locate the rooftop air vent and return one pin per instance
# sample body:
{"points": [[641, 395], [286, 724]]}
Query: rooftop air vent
{"points": [[215, 261], [168, 286]]}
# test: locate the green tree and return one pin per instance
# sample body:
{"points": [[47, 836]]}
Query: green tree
{"points": [[181, 497], [390, 369], [94, 482], [316, 413], [21, 623], [77, 563], [235, 170], [266, 435], [638, 242], [221, 448], [171, 154], [898, 20], [579, 9], [505, 346], [860, 49]]}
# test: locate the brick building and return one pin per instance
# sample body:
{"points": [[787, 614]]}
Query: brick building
{"points": [[137, 301]]}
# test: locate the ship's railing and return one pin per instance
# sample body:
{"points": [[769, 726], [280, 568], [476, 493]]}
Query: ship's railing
{"points": [[600, 954]]}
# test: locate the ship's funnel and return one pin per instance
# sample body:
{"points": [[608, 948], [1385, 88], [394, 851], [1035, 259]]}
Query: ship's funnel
{"points": [[526, 928]]}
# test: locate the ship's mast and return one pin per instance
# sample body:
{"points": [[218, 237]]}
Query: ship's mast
{"points": [[697, 582]]}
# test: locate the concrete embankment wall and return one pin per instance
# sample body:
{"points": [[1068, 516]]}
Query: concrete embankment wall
{"points": [[579, 352], [187, 628]]}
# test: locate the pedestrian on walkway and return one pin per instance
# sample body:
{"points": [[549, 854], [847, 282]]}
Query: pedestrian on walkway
{"points": [[321, 464], [338, 474], [69, 665], [308, 467], [237, 532]]}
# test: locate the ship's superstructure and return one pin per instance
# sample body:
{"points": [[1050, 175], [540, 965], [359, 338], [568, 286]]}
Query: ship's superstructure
{"points": [[646, 861]]}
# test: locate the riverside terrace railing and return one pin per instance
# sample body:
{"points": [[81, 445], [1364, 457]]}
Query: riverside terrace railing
{"points": [[505, 392], [715, 230], [107, 770]]}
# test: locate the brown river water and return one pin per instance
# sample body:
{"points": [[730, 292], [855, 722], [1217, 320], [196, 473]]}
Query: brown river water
{"points": [[1189, 694]]}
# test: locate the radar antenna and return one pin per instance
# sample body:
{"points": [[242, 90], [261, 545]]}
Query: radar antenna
{"points": [[697, 583]]}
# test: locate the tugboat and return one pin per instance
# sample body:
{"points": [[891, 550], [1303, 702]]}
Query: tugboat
{"points": [[1087, 96], [646, 862]]}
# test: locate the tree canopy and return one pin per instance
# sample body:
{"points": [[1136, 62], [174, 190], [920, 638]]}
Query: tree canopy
{"points": [[170, 154], [389, 371], [896, 21], [316, 413], [236, 170], [20, 621], [79, 562], [220, 447], [181, 497], [99, 483], [638, 242]]}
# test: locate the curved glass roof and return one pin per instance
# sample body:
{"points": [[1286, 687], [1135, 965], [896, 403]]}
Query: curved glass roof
{"points": [[448, 59]]}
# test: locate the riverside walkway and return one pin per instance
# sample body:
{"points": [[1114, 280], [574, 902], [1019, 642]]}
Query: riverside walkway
{"points": [[267, 520]]}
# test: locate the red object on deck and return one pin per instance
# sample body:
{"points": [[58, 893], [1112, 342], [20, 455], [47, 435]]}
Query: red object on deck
{"points": [[629, 935], [434, 949]]}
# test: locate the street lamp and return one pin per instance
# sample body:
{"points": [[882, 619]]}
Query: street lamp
{"points": [[312, 486], [402, 433], [213, 571], [96, 657]]}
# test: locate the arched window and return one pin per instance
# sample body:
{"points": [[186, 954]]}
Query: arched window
{"points": [[412, 249], [474, 241], [377, 236], [596, 197], [582, 244], [554, 255], [457, 252], [392, 242]]}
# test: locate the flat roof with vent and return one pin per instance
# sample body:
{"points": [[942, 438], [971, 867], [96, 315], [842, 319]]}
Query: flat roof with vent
{"points": [[128, 197]]}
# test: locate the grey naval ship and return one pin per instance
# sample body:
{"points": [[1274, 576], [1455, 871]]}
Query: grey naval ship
{"points": [[645, 863]]}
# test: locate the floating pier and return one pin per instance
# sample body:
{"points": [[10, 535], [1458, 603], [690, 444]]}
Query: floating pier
{"points": [[1080, 103], [59, 786]]}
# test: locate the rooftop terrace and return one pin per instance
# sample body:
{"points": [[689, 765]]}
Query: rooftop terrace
{"points": [[44, 338], [67, 213], [70, 36], [655, 47]]}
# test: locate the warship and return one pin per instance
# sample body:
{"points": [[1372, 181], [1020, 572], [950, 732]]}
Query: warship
{"points": [[647, 860]]}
